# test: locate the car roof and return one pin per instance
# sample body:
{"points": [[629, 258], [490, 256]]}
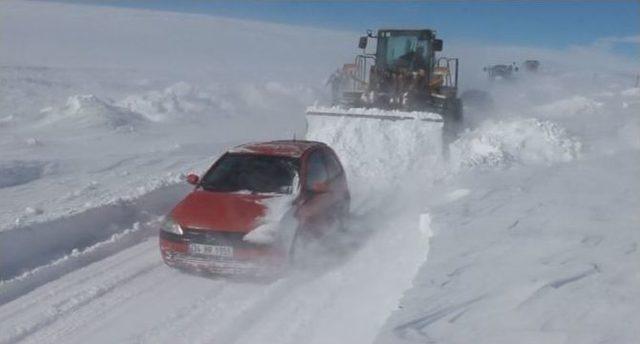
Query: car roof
{"points": [[287, 148]]}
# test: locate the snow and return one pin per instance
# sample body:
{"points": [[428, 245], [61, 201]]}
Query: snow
{"points": [[570, 107], [17, 172], [527, 233], [534, 254], [86, 111], [517, 141], [631, 92], [271, 228]]}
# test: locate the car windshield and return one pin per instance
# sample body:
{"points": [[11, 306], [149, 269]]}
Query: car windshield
{"points": [[252, 173]]}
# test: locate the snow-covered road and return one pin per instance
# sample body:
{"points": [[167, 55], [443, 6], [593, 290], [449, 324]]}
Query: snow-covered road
{"points": [[133, 297]]}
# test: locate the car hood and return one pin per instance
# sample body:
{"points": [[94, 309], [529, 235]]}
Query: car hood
{"points": [[230, 212]]}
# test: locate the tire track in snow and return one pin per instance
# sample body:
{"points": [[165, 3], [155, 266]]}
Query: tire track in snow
{"points": [[344, 303], [72, 303], [132, 297], [64, 286], [97, 311], [104, 231]]}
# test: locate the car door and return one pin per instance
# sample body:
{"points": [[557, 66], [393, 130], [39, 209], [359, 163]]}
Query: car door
{"points": [[317, 205]]}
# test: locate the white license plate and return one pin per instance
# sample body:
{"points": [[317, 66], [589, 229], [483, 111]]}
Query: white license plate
{"points": [[210, 250]]}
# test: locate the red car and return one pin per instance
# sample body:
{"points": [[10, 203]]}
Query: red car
{"points": [[256, 208]]}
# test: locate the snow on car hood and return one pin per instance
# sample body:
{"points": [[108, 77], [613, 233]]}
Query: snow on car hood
{"points": [[273, 226]]}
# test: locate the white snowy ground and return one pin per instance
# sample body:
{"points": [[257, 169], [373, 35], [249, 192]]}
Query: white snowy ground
{"points": [[536, 236], [527, 234]]}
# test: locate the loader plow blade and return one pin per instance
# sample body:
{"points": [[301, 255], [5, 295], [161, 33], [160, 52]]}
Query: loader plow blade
{"points": [[392, 115]]}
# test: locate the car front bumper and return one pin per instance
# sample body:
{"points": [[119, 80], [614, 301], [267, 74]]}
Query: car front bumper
{"points": [[247, 259]]}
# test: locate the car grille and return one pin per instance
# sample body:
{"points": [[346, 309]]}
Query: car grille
{"points": [[215, 237]]}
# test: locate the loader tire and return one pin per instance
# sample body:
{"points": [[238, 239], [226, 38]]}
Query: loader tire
{"points": [[452, 124], [452, 119], [454, 110]]}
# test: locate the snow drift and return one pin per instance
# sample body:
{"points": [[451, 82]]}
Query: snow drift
{"points": [[89, 111], [576, 105], [519, 141]]}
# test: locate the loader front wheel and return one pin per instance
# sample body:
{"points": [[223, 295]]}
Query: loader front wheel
{"points": [[453, 110], [452, 123]]}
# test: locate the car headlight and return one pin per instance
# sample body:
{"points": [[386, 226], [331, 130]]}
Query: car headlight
{"points": [[170, 226]]}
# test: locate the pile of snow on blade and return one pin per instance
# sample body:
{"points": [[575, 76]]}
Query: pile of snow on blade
{"points": [[380, 155], [89, 111], [520, 141]]}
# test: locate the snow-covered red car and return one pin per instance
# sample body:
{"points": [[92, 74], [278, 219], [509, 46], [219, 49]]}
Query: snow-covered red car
{"points": [[256, 208]]}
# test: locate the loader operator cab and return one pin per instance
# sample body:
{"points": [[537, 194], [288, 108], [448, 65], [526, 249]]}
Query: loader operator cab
{"points": [[403, 73], [406, 49]]}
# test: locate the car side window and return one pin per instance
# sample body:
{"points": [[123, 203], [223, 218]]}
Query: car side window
{"points": [[333, 166], [316, 170]]}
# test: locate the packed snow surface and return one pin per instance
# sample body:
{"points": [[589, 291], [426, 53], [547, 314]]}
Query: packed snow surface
{"points": [[527, 233]]}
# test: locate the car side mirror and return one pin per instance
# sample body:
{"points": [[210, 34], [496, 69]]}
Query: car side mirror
{"points": [[362, 44], [320, 187], [193, 179], [436, 45]]}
